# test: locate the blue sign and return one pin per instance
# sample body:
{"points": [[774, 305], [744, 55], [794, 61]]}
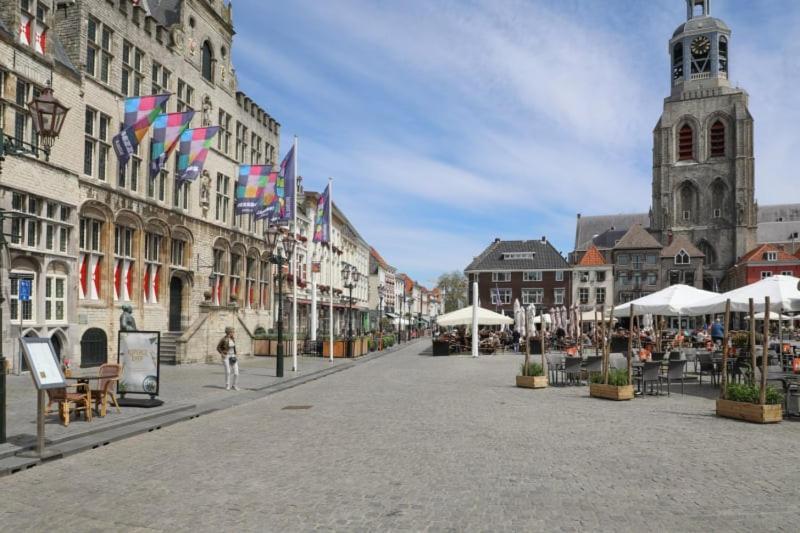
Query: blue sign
{"points": [[24, 291]]}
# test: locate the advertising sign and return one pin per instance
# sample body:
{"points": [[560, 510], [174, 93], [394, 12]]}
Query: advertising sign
{"points": [[24, 293], [43, 362], [139, 356]]}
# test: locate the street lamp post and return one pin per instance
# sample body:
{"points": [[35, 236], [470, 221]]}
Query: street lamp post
{"points": [[410, 314], [277, 257], [47, 116], [350, 276], [380, 316]]}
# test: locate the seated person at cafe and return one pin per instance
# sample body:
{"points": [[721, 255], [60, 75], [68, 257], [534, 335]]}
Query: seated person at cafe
{"points": [[677, 342], [645, 354]]}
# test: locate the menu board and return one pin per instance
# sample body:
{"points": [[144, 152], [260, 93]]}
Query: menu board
{"points": [[139, 356], [43, 362]]}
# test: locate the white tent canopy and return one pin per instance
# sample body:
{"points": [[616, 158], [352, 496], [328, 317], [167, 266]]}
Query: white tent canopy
{"points": [[671, 301], [774, 317], [782, 291], [463, 317]]}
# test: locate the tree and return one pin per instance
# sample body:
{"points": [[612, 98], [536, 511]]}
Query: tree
{"points": [[454, 286]]}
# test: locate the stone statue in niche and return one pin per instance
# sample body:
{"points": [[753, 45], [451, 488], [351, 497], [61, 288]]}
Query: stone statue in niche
{"points": [[192, 46], [205, 192], [206, 121], [126, 320], [739, 212]]}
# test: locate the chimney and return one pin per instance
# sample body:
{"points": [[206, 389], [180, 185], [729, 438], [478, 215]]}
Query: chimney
{"points": [[496, 240], [544, 239], [669, 238]]}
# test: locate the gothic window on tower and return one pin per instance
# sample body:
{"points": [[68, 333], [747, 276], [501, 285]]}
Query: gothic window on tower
{"points": [[685, 143], [723, 56], [701, 51], [717, 136], [677, 61], [718, 191]]}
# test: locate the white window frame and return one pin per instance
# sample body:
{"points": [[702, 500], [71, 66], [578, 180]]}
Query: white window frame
{"points": [[682, 258], [559, 275], [559, 294], [501, 277], [13, 296], [97, 149], [766, 274], [583, 295], [597, 292], [771, 256], [532, 275], [500, 296], [51, 281]]}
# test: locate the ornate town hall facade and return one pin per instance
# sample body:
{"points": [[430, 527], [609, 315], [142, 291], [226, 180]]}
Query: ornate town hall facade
{"points": [[703, 187]]}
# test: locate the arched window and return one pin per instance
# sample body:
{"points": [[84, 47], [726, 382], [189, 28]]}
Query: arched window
{"points": [[208, 61], [708, 251], [723, 55], [718, 191], [682, 258], [687, 203], [677, 61], [717, 138], [685, 143]]}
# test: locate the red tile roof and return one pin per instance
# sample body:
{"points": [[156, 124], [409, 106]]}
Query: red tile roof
{"points": [[592, 257], [381, 261], [757, 254]]}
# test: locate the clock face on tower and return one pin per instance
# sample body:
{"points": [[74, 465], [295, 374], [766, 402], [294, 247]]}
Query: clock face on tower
{"points": [[701, 46]]}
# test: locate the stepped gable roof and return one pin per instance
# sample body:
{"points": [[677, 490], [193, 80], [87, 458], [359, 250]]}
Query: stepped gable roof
{"points": [[592, 257], [756, 255], [637, 237], [545, 257], [681, 243], [590, 226]]}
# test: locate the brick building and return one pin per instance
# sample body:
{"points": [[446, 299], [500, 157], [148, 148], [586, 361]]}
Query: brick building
{"points": [[762, 262], [531, 271]]}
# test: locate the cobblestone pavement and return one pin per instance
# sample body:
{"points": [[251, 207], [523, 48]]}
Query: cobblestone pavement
{"points": [[413, 442], [182, 385]]}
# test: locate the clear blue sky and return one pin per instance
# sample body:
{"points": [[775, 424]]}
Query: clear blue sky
{"points": [[445, 124]]}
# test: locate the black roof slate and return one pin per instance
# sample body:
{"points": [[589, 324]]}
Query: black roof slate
{"points": [[546, 257]]}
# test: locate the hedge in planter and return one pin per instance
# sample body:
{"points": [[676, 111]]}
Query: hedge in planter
{"points": [[531, 376], [742, 402]]}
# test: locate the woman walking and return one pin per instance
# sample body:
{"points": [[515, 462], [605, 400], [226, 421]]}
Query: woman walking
{"points": [[227, 350]]}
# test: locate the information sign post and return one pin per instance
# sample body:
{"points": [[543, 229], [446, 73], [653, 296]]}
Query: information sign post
{"points": [[46, 374]]}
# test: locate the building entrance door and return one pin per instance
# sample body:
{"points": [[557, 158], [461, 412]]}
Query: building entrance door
{"points": [[175, 303], [94, 347]]}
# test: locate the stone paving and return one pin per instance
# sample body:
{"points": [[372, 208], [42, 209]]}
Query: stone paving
{"points": [[413, 442], [181, 386]]}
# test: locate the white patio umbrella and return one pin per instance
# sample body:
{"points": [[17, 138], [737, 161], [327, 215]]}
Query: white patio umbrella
{"points": [[774, 317], [548, 319], [563, 311], [464, 317], [518, 319], [556, 317], [674, 300], [782, 291]]}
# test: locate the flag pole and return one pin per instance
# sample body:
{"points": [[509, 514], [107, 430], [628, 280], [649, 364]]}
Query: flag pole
{"points": [[294, 258], [330, 249]]}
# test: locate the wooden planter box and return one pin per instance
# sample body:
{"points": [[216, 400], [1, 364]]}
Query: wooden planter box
{"points": [[611, 392], [339, 348], [532, 382], [750, 412], [261, 347]]}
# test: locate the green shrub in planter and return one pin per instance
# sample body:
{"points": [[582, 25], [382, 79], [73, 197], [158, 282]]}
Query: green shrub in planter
{"points": [[741, 339], [534, 369], [617, 377], [748, 393]]}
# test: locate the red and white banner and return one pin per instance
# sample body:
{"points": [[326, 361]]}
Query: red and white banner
{"points": [[123, 280], [24, 33], [151, 283], [40, 43], [89, 286]]}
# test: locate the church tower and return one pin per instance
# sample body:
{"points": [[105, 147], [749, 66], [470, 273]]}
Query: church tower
{"points": [[703, 166]]}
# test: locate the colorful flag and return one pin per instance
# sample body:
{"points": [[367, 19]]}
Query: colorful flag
{"points": [[193, 151], [167, 130], [270, 202], [139, 107], [251, 187], [286, 186], [322, 218], [140, 113]]}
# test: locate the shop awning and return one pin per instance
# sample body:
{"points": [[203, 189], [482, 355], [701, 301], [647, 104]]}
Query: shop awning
{"points": [[391, 315]]}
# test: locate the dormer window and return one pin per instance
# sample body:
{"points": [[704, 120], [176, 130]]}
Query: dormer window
{"points": [[771, 256], [682, 258], [517, 255]]}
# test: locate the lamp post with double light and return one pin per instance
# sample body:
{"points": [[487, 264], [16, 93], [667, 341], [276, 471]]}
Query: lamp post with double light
{"points": [[47, 115], [350, 277], [280, 246], [380, 315]]}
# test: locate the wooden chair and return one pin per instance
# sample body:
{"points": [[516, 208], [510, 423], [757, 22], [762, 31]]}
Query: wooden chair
{"points": [[67, 400], [110, 374]]}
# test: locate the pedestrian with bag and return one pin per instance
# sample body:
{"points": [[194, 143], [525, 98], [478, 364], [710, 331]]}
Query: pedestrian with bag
{"points": [[227, 350]]}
